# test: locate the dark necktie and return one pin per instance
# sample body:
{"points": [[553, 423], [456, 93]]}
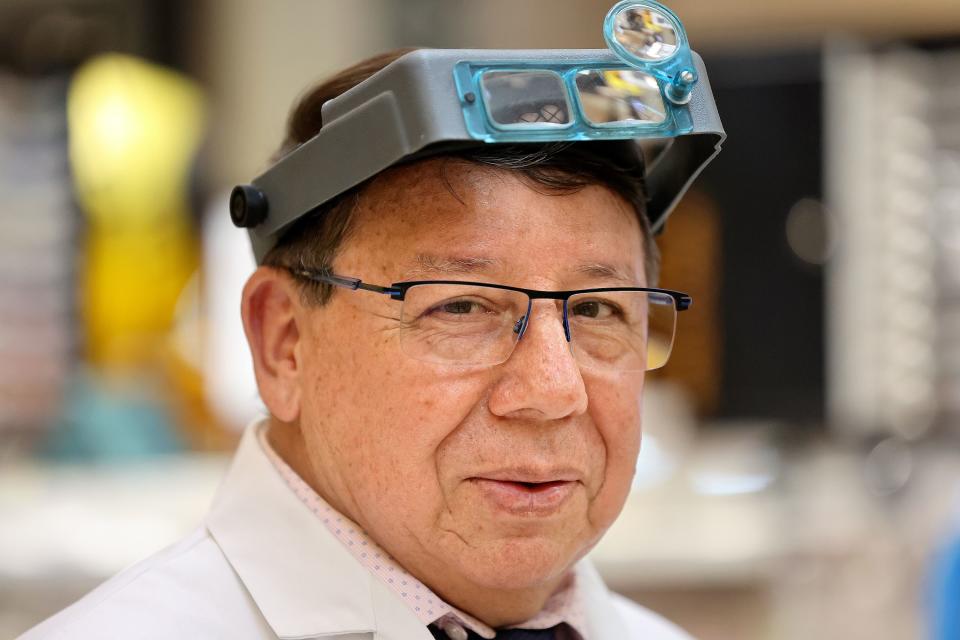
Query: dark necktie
{"points": [[503, 634]]}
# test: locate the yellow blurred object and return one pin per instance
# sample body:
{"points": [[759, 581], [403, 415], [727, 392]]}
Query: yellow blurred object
{"points": [[135, 129], [623, 82]]}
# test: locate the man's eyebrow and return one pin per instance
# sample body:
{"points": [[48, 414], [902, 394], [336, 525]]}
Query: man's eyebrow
{"points": [[430, 266], [426, 264], [607, 272]]}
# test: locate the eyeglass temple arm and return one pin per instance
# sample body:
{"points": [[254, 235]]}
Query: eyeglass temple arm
{"points": [[340, 281], [684, 302]]}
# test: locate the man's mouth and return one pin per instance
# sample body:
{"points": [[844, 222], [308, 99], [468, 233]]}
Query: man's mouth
{"points": [[537, 486], [525, 497]]}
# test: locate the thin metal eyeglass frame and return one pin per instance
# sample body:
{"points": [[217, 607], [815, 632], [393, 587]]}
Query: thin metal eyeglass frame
{"points": [[398, 290]]}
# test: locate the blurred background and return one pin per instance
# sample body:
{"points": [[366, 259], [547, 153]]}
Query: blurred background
{"points": [[800, 476]]}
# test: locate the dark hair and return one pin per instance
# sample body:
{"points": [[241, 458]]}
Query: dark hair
{"points": [[560, 167]]}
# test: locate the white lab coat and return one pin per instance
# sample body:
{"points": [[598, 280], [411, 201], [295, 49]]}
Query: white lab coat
{"points": [[264, 566]]}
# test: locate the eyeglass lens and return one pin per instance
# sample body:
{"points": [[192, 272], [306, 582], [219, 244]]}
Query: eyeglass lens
{"points": [[478, 325]]}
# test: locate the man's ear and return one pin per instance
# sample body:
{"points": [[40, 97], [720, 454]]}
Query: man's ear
{"points": [[270, 308]]}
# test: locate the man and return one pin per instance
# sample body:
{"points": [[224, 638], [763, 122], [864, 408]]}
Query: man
{"points": [[442, 451]]}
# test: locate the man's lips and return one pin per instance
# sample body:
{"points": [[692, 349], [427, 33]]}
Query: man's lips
{"points": [[528, 475], [526, 492]]}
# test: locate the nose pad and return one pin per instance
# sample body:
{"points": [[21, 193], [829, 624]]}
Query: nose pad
{"points": [[520, 326]]}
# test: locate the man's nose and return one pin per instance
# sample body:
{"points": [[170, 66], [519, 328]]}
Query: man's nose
{"points": [[541, 379]]}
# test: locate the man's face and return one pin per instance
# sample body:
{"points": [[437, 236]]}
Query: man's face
{"points": [[494, 477]]}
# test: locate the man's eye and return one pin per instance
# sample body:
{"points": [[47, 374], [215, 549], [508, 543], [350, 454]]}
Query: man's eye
{"points": [[594, 309], [459, 306]]}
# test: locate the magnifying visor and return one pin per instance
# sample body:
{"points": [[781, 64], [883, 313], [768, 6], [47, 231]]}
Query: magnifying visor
{"points": [[646, 100]]}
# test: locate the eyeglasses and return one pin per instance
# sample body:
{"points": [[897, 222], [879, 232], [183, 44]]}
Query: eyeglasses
{"points": [[477, 323]]}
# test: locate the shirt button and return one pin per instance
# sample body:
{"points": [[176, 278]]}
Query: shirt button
{"points": [[453, 630]]}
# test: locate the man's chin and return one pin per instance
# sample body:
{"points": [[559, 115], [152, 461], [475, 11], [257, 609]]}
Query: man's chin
{"points": [[521, 563]]}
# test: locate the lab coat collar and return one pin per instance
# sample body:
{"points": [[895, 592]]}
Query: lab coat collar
{"points": [[305, 582]]}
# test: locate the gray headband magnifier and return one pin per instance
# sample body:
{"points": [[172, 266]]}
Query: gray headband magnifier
{"points": [[646, 100]]}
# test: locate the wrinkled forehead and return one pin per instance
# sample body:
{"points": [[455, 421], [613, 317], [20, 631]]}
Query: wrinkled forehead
{"points": [[452, 216]]}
